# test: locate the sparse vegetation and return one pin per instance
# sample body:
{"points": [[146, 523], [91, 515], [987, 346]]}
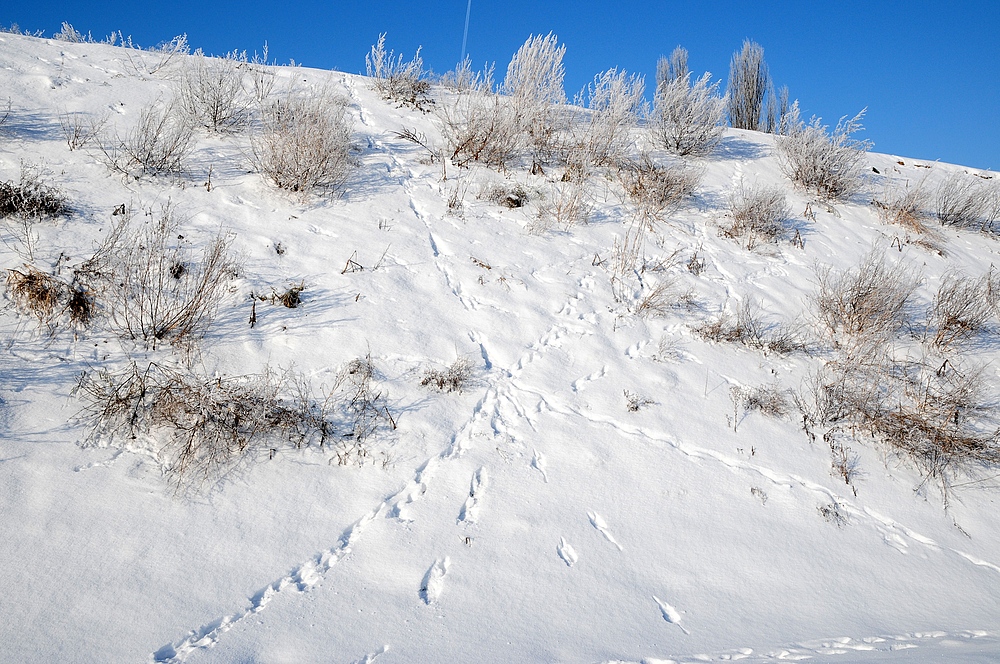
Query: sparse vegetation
{"points": [[155, 287], [32, 197], [961, 309], [904, 205], [213, 93], [656, 189], [454, 378], [748, 328]]}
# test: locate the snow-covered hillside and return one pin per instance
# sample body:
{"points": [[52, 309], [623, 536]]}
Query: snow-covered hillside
{"points": [[598, 490]]}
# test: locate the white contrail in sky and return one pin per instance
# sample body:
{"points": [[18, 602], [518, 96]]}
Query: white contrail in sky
{"points": [[465, 37]]}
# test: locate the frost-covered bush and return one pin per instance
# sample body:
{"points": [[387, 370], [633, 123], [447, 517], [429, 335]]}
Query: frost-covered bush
{"points": [[484, 128], [828, 163], [757, 213], [657, 189], [395, 80], [869, 302], [961, 309], [688, 119], [673, 68], [154, 286], [903, 205], [534, 84], [213, 93], [304, 142], [615, 101]]}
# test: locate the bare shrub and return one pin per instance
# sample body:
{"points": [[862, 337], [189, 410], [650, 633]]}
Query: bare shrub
{"points": [[636, 402], [212, 91], [869, 301], [565, 208], [157, 144], [155, 287], [769, 400], [960, 201], [747, 327], [961, 309], [689, 120], [904, 206], [151, 61], [80, 129], [304, 143], [615, 101], [454, 378], [829, 164], [749, 82], [658, 189], [395, 80], [757, 213]]}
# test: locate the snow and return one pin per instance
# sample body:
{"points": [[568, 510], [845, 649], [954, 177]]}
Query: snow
{"points": [[529, 517]]}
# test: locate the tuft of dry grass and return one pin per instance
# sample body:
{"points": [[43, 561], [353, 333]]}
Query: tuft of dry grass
{"points": [[757, 214], [454, 378]]}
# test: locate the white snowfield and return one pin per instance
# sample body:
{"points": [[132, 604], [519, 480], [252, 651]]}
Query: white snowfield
{"points": [[533, 516]]}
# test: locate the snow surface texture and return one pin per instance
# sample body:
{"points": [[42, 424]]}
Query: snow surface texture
{"points": [[535, 515]]}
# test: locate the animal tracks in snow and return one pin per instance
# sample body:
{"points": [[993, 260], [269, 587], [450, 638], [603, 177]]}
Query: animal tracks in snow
{"points": [[670, 614], [598, 522], [433, 583], [566, 552]]}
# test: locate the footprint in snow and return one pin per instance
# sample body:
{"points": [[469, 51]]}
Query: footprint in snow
{"points": [[433, 583], [538, 463], [566, 552], [471, 508], [670, 614], [598, 522]]}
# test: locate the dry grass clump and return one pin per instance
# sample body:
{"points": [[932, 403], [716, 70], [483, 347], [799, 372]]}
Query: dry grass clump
{"points": [[663, 298], [484, 128], [757, 214], [769, 400], [871, 300], [749, 329], [455, 378], [304, 143], [510, 195], [213, 93], [35, 292], [904, 206], [568, 207], [47, 297]]}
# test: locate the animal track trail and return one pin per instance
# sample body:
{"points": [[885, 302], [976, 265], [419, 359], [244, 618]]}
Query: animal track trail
{"points": [[580, 384], [301, 579], [470, 510], [566, 552], [372, 656], [598, 522], [433, 584]]}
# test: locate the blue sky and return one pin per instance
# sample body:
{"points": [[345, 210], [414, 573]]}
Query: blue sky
{"points": [[927, 71]]}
